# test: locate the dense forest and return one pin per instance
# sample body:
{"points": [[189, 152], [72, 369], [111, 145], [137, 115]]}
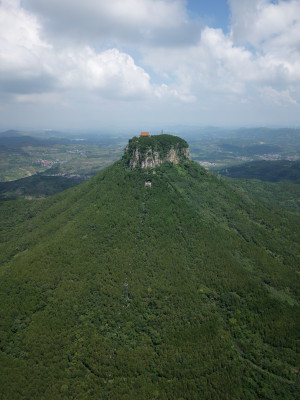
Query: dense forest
{"points": [[187, 289], [36, 186], [271, 171]]}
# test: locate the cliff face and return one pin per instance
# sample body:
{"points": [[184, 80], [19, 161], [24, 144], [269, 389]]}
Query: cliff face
{"points": [[154, 158], [149, 152]]}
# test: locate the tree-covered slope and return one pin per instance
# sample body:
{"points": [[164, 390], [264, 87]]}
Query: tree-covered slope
{"points": [[270, 171], [36, 186], [212, 288], [283, 195]]}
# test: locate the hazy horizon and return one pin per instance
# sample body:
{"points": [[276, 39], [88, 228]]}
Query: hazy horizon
{"points": [[184, 130]]}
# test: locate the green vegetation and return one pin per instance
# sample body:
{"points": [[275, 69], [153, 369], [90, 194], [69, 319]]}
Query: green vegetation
{"points": [[272, 171], [216, 148], [161, 144], [36, 186], [283, 195], [23, 156], [212, 284], [262, 175]]}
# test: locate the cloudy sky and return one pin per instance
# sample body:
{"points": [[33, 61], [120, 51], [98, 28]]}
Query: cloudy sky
{"points": [[144, 63]]}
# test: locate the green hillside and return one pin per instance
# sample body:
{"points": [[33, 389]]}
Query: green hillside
{"points": [[283, 195], [271, 171], [37, 186], [213, 294]]}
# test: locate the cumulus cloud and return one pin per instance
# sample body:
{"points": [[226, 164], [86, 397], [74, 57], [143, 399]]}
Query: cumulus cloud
{"points": [[244, 15], [266, 24], [24, 57], [160, 22], [213, 66], [280, 98], [66, 50], [29, 64], [111, 73], [273, 31], [226, 65]]}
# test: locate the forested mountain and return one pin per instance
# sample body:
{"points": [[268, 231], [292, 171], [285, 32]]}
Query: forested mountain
{"points": [[185, 289]]}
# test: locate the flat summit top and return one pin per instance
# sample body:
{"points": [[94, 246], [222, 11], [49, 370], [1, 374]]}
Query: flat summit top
{"points": [[150, 151]]}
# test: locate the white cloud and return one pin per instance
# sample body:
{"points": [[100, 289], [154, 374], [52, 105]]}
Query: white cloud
{"points": [[263, 23], [69, 52], [221, 65], [181, 93], [29, 64], [23, 55], [111, 73], [273, 30], [37, 98], [244, 14], [213, 66], [163, 22], [280, 98]]}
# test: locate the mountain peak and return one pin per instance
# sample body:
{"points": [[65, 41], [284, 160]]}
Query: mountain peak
{"points": [[151, 151]]}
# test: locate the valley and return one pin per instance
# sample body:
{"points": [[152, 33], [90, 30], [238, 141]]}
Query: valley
{"points": [[22, 155]]}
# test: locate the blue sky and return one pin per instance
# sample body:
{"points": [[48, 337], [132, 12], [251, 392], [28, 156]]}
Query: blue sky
{"points": [[122, 64], [216, 13]]}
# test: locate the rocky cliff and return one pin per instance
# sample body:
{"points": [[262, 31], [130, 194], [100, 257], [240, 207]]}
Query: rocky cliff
{"points": [[149, 152]]}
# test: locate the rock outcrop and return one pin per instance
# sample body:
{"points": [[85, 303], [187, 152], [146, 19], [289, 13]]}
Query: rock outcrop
{"points": [[149, 152]]}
